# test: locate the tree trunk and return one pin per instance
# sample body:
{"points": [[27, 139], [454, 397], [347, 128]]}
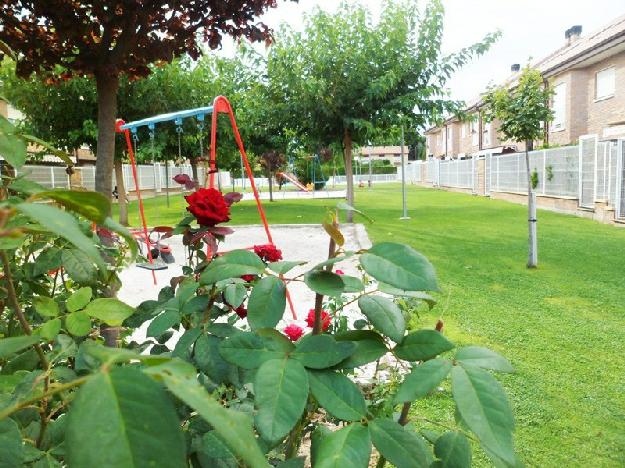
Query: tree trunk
{"points": [[349, 174], [122, 201], [194, 174], [269, 178], [107, 85], [532, 257]]}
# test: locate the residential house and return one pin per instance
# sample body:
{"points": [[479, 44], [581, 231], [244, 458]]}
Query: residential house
{"points": [[380, 153]]}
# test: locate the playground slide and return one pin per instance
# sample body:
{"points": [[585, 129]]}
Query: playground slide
{"points": [[291, 178]]}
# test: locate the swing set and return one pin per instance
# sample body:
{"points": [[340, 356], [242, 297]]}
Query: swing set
{"points": [[221, 105]]}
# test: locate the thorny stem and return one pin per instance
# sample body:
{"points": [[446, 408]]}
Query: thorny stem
{"points": [[318, 326]]}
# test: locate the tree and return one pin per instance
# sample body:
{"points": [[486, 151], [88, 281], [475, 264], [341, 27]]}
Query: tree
{"points": [[345, 76], [271, 162], [106, 39], [522, 112]]}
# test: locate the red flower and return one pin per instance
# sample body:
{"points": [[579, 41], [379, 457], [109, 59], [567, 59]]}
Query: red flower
{"points": [[208, 206], [294, 332], [339, 272], [325, 319], [241, 311], [248, 278], [268, 252]]}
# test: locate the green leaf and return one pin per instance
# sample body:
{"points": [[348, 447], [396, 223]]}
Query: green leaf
{"points": [[49, 259], [384, 315], [14, 344], [453, 450], [209, 361], [369, 347], [422, 345], [267, 302], [483, 406], [400, 446], [92, 205], [50, 329], [400, 266], [79, 299], [484, 358], [338, 395], [183, 345], [349, 447], [299, 462], [346, 207], [422, 380], [12, 147], [281, 388], [46, 306], [321, 351], [232, 265], [163, 322], [235, 294], [66, 158], [11, 446], [78, 323], [352, 284], [425, 297], [26, 186], [78, 266], [234, 428], [324, 282], [284, 267], [62, 224], [123, 418], [111, 311], [249, 351]]}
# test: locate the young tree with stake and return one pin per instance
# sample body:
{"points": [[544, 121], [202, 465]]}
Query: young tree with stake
{"points": [[521, 112]]}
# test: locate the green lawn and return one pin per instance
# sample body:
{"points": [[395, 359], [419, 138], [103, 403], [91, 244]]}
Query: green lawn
{"points": [[562, 325]]}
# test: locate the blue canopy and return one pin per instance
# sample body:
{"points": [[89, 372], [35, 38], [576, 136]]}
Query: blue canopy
{"points": [[176, 117]]}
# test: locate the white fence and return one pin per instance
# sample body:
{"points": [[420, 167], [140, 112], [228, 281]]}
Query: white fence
{"points": [[591, 172]]}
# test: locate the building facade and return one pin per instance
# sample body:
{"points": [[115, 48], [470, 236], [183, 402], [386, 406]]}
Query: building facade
{"points": [[587, 76]]}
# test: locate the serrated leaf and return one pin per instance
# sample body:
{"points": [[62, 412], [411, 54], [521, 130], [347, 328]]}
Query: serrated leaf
{"points": [[123, 418], [338, 395], [50, 329], [46, 306], [163, 322], [399, 266], [79, 299], [233, 264], [484, 408], [384, 315], [422, 345], [423, 296], [324, 282], [352, 284], [349, 447], [235, 294], [369, 347], [92, 205], [453, 451], [402, 447], [249, 351], [281, 388], [484, 358], [49, 259], [283, 267], [78, 323], [208, 359], [78, 266], [267, 303], [14, 344], [184, 343], [11, 446], [109, 310], [321, 351], [12, 147], [422, 380]]}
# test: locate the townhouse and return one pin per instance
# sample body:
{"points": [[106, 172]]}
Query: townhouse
{"points": [[587, 75]]}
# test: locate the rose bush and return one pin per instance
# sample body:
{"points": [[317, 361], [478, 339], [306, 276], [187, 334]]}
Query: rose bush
{"points": [[222, 379]]}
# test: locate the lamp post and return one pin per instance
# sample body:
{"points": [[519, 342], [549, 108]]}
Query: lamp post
{"points": [[403, 178]]}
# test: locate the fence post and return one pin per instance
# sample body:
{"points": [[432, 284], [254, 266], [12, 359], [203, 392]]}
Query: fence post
{"points": [[52, 176], [544, 169], [497, 159]]}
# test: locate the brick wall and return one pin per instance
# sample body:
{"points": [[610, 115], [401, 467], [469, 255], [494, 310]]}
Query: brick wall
{"points": [[607, 112]]}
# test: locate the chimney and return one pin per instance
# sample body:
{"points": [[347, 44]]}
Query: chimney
{"points": [[516, 67], [573, 34]]}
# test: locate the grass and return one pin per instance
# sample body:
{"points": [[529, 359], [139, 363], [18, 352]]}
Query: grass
{"points": [[562, 325]]}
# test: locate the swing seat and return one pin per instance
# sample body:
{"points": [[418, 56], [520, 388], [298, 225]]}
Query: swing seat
{"points": [[152, 266]]}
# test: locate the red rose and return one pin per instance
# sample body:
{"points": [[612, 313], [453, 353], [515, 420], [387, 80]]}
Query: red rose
{"points": [[339, 272], [294, 332], [325, 319], [268, 252], [241, 311], [208, 206], [248, 278]]}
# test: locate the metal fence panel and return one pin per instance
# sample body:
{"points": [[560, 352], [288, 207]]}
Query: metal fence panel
{"points": [[587, 174], [620, 180]]}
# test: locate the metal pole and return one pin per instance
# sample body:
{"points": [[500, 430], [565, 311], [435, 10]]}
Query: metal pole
{"points": [[242, 174], [403, 178], [370, 156]]}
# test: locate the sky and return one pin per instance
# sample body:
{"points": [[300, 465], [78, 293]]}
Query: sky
{"points": [[531, 29]]}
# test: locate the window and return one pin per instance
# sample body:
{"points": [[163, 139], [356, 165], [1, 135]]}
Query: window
{"points": [[450, 132], [559, 107], [486, 138], [464, 130], [604, 83], [475, 138]]}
